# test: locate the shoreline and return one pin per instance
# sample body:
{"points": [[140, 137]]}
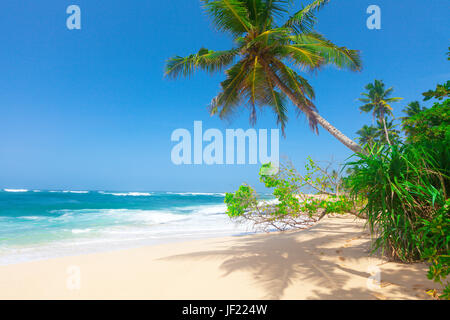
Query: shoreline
{"points": [[329, 260]]}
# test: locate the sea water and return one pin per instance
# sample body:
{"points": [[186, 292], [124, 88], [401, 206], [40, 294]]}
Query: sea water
{"points": [[37, 224]]}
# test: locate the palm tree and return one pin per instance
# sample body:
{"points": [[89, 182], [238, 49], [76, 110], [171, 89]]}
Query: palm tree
{"points": [[377, 101], [389, 127], [260, 67], [412, 109], [367, 135]]}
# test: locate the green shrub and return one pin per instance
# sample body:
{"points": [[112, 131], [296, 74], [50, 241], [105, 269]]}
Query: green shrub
{"points": [[241, 201], [442, 91], [403, 188], [406, 202], [294, 206], [436, 237], [429, 125]]}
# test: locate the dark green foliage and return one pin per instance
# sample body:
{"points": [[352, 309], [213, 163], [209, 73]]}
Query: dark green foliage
{"points": [[442, 91], [369, 135], [391, 128], [436, 243], [406, 187], [412, 109], [377, 100], [431, 124]]}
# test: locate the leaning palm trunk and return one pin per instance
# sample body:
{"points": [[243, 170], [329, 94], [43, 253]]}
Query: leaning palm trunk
{"points": [[259, 39], [386, 131], [311, 113]]}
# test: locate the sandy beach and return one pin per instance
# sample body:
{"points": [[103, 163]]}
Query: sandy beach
{"points": [[328, 261]]}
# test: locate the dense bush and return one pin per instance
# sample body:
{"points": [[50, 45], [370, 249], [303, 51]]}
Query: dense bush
{"points": [[435, 234], [406, 191], [429, 125], [406, 184]]}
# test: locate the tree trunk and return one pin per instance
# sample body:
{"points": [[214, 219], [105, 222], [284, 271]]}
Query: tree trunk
{"points": [[386, 131], [311, 113]]}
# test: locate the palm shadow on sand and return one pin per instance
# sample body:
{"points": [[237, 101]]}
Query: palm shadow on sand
{"points": [[275, 262]]}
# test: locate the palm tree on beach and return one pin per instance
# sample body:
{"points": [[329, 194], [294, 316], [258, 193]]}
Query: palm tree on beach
{"points": [[412, 109], [260, 68], [390, 128], [377, 101], [367, 135]]}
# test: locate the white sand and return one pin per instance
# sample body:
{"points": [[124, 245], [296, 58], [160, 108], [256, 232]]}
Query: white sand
{"points": [[328, 261]]}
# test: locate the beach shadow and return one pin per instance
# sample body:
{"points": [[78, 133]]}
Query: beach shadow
{"points": [[276, 261]]}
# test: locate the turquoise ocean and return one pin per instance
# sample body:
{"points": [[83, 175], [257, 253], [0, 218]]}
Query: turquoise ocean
{"points": [[37, 224]]}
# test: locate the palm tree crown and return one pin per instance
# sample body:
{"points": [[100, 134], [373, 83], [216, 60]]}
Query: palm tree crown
{"points": [[412, 109], [377, 100], [260, 68], [367, 135], [391, 128]]}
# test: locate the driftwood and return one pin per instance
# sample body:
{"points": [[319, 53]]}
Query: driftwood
{"points": [[261, 218], [264, 216]]}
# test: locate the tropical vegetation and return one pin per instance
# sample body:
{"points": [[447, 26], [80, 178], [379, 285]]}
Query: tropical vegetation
{"points": [[377, 100], [398, 180], [294, 206], [400, 184], [406, 186]]}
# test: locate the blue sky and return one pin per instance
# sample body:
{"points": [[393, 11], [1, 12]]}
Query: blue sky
{"points": [[90, 109]]}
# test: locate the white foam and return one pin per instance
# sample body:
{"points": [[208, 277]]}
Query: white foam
{"points": [[127, 194], [72, 191], [206, 209], [78, 231], [97, 230], [219, 194], [118, 216], [15, 190], [31, 218]]}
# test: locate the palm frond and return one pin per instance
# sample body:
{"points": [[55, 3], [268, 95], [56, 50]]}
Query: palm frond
{"points": [[368, 135], [376, 100], [301, 89], [207, 60], [267, 38], [306, 59], [277, 101], [231, 95], [264, 77], [229, 15], [393, 99], [305, 20], [331, 53]]}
